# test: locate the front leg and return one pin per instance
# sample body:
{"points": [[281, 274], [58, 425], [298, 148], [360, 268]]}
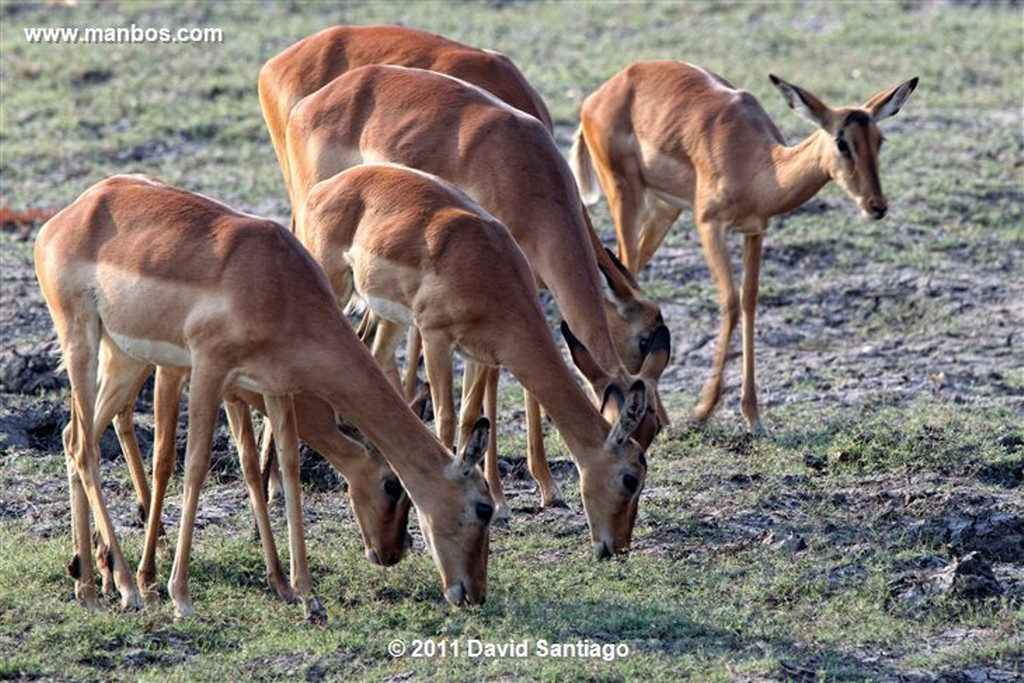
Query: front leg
{"points": [[716, 253], [281, 411], [751, 274], [240, 422]]}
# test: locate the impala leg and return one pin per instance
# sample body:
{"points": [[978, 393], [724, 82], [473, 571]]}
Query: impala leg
{"points": [[205, 389], [657, 220], [475, 393], [83, 440], [80, 568], [748, 301], [240, 422], [623, 187], [281, 411], [385, 343], [537, 459], [717, 256], [412, 362], [167, 390], [124, 425], [120, 378], [437, 358]]}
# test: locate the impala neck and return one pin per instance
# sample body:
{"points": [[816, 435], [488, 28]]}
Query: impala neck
{"points": [[799, 173], [540, 369], [360, 393]]}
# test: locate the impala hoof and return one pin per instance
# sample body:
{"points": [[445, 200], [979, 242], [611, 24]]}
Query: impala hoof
{"points": [[314, 612]]}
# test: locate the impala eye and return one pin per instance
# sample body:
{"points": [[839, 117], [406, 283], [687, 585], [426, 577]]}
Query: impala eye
{"points": [[393, 488], [844, 147], [645, 345], [630, 482], [484, 512]]}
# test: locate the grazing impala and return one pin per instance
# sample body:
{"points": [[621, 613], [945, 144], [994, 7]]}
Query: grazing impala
{"points": [[663, 135], [378, 500], [315, 61], [507, 162], [169, 278], [420, 252], [311, 63]]}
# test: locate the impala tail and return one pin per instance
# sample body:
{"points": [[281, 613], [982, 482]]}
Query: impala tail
{"points": [[583, 169]]}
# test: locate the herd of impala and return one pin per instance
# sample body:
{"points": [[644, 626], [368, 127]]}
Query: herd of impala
{"points": [[424, 177]]}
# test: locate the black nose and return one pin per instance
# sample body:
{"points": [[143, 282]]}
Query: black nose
{"points": [[878, 213]]}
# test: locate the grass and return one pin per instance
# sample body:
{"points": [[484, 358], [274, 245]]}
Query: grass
{"points": [[748, 564]]}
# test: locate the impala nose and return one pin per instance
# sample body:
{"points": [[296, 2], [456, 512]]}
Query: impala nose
{"points": [[877, 208], [602, 550]]}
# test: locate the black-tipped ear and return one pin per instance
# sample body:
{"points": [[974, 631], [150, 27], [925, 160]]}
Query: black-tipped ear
{"points": [[802, 102], [631, 411], [476, 445], [889, 102], [582, 359], [659, 350]]}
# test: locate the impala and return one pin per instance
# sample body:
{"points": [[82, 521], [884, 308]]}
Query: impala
{"points": [[169, 278], [415, 248], [315, 61], [378, 501], [662, 136], [311, 63], [509, 164]]}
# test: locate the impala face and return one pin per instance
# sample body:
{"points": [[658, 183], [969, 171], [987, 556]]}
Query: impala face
{"points": [[617, 483], [459, 542], [857, 142], [458, 538], [381, 507]]}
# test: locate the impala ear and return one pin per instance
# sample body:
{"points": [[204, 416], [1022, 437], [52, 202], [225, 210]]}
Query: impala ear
{"points": [[659, 349], [476, 445], [803, 103], [581, 357], [630, 409], [889, 102]]}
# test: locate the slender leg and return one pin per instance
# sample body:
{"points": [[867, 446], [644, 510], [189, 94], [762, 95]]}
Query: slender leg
{"points": [[83, 439], [80, 568], [412, 362], [385, 343], [748, 302], [657, 220], [476, 379], [537, 459], [620, 180], [166, 398], [205, 389], [437, 357], [240, 422], [281, 412], [717, 256]]}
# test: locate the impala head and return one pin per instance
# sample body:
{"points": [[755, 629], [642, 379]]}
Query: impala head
{"points": [[456, 528], [656, 347], [613, 475], [381, 507], [611, 482], [854, 139]]}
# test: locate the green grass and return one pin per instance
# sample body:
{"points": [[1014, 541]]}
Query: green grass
{"points": [[712, 590]]}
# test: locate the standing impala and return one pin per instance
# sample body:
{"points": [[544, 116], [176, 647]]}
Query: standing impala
{"points": [[508, 163], [315, 61], [416, 249], [662, 136], [170, 278]]}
